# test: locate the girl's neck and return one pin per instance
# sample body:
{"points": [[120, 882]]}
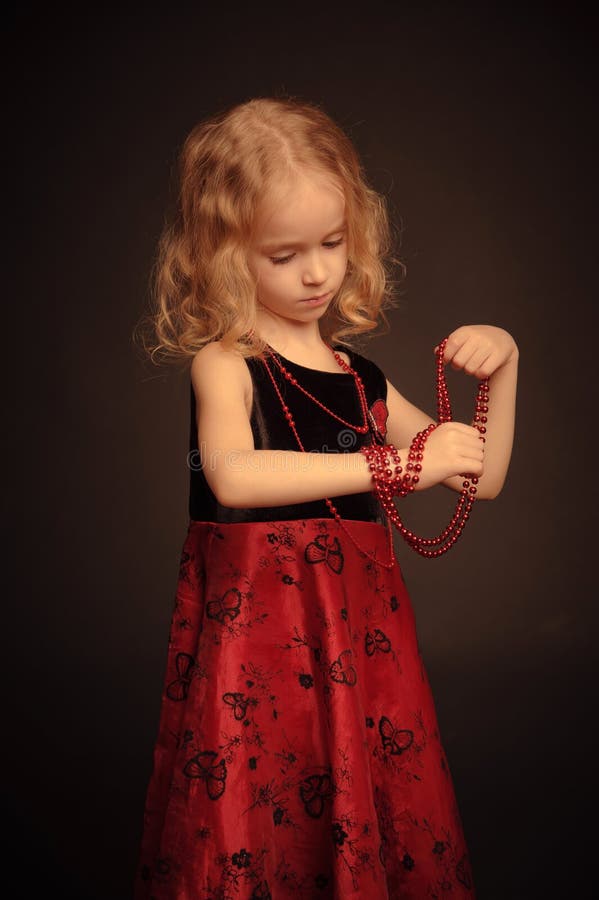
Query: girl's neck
{"points": [[306, 346], [298, 348], [314, 356]]}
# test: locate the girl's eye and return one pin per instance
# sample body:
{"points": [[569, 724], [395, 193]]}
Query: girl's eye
{"points": [[285, 259]]}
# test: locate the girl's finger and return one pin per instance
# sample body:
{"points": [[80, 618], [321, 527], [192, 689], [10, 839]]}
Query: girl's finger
{"points": [[488, 366], [462, 356], [478, 358], [467, 429], [475, 454], [454, 343], [468, 464], [471, 446]]}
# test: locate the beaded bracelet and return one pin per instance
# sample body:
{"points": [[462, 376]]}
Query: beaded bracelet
{"points": [[392, 484], [385, 481]]}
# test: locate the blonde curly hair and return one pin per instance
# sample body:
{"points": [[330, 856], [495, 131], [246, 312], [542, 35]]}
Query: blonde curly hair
{"points": [[201, 287]]}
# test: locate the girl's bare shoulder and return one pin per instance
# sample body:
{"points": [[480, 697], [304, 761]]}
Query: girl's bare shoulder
{"points": [[223, 370]]}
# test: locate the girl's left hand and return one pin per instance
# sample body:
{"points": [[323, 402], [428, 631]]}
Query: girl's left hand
{"points": [[479, 349]]}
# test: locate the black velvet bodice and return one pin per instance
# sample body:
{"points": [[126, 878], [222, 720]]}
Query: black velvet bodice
{"points": [[318, 431]]}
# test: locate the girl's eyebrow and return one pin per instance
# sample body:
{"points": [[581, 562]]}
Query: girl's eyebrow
{"points": [[283, 245]]}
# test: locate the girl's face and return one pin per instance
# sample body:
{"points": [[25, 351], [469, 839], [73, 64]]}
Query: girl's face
{"points": [[299, 252]]}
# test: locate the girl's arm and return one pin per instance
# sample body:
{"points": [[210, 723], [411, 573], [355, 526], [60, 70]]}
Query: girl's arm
{"points": [[241, 476], [481, 351]]}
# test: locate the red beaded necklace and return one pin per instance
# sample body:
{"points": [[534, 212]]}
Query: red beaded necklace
{"points": [[423, 546]]}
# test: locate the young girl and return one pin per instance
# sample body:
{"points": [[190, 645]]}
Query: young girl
{"points": [[298, 751]]}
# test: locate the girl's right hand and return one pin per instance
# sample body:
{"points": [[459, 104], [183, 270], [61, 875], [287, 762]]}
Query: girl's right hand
{"points": [[453, 448]]}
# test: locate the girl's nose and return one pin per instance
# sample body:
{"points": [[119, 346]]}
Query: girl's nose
{"points": [[315, 268]]}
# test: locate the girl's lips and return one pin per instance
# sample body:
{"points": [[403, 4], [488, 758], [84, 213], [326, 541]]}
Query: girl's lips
{"points": [[315, 301]]}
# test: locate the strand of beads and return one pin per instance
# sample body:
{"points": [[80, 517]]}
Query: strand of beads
{"points": [[388, 484], [361, 429]]}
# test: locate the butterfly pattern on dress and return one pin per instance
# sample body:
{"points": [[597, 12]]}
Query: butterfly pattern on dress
{"points": [[321, 551], [376, 642], [295, 700], [213, 774], [178, 688]]}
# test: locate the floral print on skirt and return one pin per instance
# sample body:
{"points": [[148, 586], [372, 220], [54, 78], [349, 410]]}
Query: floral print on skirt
{"points": [[298, 753]]}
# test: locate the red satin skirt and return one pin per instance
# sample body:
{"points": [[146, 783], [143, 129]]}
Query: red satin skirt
{"points": [[298, 753]]}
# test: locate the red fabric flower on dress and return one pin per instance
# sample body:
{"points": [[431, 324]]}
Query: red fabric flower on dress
{"points": [[379, 414]]}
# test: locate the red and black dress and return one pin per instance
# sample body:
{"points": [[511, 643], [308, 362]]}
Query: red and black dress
{"points": [[298, 752]]}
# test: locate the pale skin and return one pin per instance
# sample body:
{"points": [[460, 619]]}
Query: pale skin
{"points": [[300, 251]]}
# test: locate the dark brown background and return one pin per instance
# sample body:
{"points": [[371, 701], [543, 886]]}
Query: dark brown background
{"points": [[480, 128]]}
